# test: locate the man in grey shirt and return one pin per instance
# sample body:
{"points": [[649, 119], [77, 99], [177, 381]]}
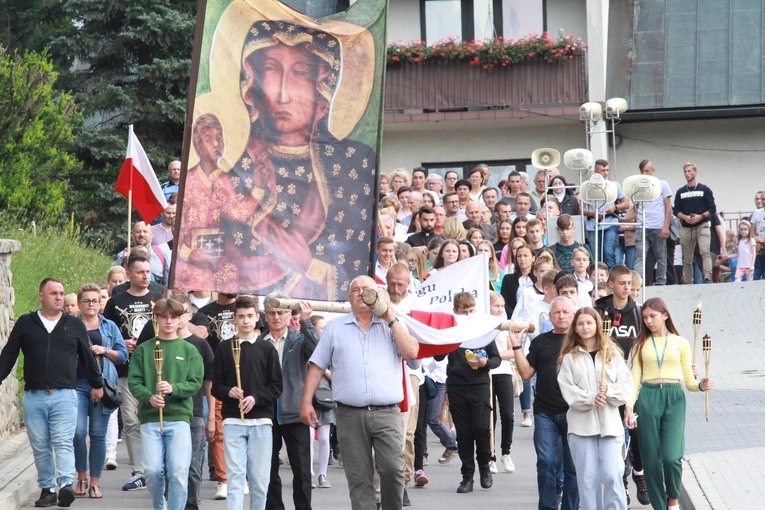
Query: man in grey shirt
{"points": [[364, 353]]}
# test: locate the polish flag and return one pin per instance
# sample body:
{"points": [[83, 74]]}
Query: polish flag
{"points": [[138, 175], [441, 333]]}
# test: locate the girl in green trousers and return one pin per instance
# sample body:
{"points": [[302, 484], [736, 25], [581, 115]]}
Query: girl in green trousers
{"points": [[660, 360]]}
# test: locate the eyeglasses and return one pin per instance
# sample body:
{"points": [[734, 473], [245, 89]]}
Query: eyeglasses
{"points": [[280, 313], [169, 319], [90, 301]]}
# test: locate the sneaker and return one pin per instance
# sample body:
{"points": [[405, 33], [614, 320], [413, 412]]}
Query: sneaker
{"points": [[526, 422], [707, 279], [486, 479], [465, 486], [136, 482], [425, 461], [246, 487], [448, 456], [313, 483], [47, 498], [642, 489], [405, 500], [330, 461], [65, 495], [323, 482], [340, 462], [420, 479], [493, 467], [453, 433], [221, 491], [213, 476], [507, 463], [111, 464]]}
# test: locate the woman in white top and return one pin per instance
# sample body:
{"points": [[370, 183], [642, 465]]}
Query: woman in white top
{"points": [[502, 388], [595, 430]]}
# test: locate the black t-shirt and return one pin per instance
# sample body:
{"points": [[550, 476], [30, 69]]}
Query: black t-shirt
{"points": [[130, 313], [153, 287], [222, 326], [543, 356], [147, 333], [208, 358], [96, 339]]}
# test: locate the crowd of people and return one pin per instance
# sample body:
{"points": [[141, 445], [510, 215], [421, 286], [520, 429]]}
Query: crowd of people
{"points": [[245, 379]]}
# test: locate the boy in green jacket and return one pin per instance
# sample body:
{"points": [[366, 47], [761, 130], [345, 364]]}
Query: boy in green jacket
{"points": [[166, 439]]}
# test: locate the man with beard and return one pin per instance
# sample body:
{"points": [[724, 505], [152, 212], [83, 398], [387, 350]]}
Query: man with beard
{"points": [[426, 233], [413, 421]]}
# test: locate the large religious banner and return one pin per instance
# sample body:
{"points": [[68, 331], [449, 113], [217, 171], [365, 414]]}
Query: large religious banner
{"points": [[281, 149]]}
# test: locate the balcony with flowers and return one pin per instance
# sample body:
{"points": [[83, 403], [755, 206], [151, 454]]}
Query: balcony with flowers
{"points": [[494, 78]]}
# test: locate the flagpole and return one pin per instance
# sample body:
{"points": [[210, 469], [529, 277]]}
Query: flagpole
{"points": [[130, 194]]}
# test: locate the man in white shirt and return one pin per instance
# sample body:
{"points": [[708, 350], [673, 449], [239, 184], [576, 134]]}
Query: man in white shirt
{"points": [[657, 215]]}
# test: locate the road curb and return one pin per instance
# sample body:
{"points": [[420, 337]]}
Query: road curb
{"points": [[692, 494], [18, 475]]}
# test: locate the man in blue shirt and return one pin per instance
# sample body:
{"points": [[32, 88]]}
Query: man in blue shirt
{"points": [[367, 386]]}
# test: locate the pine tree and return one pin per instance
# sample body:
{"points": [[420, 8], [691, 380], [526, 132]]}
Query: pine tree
{"points": [[128, 63]]}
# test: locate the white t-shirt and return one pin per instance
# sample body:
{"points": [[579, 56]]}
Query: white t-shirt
{"points": [[49, 324], [607, 219], [758, 222], [654, 210]]}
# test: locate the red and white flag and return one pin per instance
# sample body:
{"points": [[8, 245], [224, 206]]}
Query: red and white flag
{"points": [[138, 175]]}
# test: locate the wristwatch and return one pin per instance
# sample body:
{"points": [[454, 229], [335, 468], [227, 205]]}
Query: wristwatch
{"points": [[517, 347], [391, 323]]}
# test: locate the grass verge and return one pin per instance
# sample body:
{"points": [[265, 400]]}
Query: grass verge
{"points": [[56, 251]]}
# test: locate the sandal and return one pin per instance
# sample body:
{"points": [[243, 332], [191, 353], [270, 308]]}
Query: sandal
{"points": [[94, 492], [82, 488]]}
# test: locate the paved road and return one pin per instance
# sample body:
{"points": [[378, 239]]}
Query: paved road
{"points": [[515, 491], [724, 454]]}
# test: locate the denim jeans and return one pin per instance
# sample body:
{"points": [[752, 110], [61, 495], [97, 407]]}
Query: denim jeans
{"points": [[759, 267], [624, 254], [607, 248], [248, 452], [658, 246], [92, 420], [525, 397], [166, 455], [550, 441], [433, 408], [197, 456], [51, 419]]}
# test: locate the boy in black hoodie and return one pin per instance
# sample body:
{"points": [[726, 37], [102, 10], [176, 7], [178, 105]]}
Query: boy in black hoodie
{"points": [[625, 319], [247, 442], [469, 388]]}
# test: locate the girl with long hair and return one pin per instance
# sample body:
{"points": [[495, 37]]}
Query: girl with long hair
{"points": [[502, 386], [496, 275], [521, 278], [415, 259], [594, 394], [507, 259], [660, 360], [448, 254], [745, 251], [504, 235]]}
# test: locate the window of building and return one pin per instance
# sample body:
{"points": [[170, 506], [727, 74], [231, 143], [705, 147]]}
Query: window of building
{"points": [[469, 20], [521, 18], [499, 169]]}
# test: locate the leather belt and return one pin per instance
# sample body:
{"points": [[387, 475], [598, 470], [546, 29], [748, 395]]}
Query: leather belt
{"points": [[368, 408]]}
